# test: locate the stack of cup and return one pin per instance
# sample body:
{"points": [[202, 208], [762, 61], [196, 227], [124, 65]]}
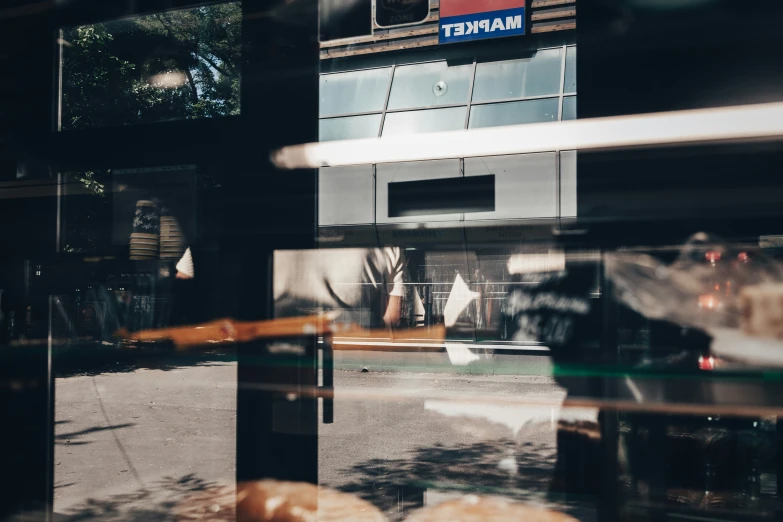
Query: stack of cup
{"points": [[145, 238], [172, 241]]}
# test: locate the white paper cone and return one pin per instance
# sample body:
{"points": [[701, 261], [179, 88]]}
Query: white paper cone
{"points": [[185, 265], [459, 299]]}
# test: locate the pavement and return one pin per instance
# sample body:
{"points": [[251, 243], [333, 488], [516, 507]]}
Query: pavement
{"points": [[131, 444]]}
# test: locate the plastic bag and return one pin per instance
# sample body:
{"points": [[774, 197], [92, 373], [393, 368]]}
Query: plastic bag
{"points": [[700, 289]]}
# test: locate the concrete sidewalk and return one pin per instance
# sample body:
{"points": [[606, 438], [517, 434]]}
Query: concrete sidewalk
{"points": [[120, 434], [129, 445]]}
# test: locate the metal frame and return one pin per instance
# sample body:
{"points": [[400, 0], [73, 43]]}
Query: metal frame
{"points": [[517, 99], [58, 108], [470, 91], [560, 95], [388, 95], [350, 115], [562, 82], [432, 61], [558, 190], [59, 225], [558, 177]]}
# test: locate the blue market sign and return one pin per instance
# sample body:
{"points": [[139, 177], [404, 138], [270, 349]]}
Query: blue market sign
{"points": [[467, 20]]}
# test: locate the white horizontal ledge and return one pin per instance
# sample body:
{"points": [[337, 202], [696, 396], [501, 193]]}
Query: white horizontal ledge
{"points": [[761, 121], [425, 344]]}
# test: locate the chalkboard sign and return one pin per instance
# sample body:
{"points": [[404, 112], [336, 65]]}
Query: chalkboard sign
{"points": [[556, 308], [393, 13]]}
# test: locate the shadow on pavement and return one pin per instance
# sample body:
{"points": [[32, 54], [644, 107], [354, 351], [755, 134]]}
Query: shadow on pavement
{"points": [[520, 472], [397, 486], [69, 438], [91, 361], [151, 504]]}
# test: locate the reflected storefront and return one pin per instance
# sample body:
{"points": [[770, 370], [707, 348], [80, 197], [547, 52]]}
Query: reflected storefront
{"points": [[453, 218]]}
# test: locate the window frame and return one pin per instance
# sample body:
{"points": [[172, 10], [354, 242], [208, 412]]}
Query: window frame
{"points": [[560, 95]]}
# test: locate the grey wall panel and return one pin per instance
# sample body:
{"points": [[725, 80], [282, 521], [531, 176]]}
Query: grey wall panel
{"points": [[345, 195], [568, 183], [525, 185]]}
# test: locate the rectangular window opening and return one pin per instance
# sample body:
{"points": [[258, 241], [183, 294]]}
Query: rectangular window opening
{"points": [[442, 196]]}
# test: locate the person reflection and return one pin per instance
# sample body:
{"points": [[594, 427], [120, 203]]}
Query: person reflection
{"points": [[552, 305], [364, 284]]}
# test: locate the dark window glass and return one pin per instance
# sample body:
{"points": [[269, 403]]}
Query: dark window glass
{"points": [[393, 13], [86, 212], [168, 66], [344, 19], [513, 113], [442, 196], [99, 210]]}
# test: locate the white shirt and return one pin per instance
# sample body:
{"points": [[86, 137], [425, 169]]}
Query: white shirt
{"points": [[355, 280]]}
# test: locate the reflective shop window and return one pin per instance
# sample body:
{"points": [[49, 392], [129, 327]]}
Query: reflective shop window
{"points": [[416, 122], [175, 65], [86, 217], [352, 92], [569, 108], [513, 113], [570, 71], [430, 84], [352, 127], [98, 211], [538, 75]]}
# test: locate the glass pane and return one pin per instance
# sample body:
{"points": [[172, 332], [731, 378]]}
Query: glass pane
{"points": [[168, 66], [357, 91], [98, 211], [349, 128], [535, 76], [569, 108], [430, 84], [570, 72], [416, 122], [86, 211], [513, 113]]}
